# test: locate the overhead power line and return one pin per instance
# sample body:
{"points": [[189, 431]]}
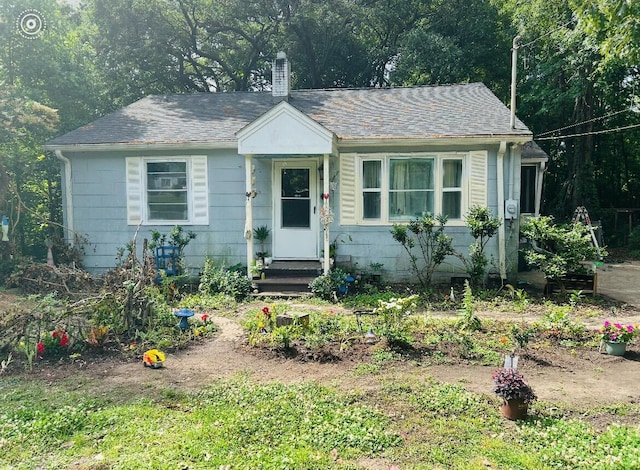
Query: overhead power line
{"points": [[547, 34], [585, 122], [605, 131]]}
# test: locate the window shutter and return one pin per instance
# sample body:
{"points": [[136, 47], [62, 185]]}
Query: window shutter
{"points": [[134, 190], [348, 189], [199, 186], [478, 178]]}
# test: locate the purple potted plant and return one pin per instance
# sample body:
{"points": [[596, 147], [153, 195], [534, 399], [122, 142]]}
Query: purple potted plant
{"points": [[516, 394]]}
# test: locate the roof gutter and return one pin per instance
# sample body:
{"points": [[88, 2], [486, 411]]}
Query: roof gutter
{"points": [[122, 147], [444, 140], [68, 195]]}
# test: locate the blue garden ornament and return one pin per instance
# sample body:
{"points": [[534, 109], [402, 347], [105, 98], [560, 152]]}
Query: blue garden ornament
{"points": [[183, 314]]}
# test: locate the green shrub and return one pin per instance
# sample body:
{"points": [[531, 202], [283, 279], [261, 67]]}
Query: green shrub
{"points": [[558, 249], [482, 226], [326, 286], [219, 280], [427, 233]]}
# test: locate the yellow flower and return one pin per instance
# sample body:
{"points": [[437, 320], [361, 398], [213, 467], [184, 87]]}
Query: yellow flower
{"points": [[260, 325], [22, 344]]}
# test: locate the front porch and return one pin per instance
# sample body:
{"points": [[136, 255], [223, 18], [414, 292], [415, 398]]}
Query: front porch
{"points": [[293, 153]]}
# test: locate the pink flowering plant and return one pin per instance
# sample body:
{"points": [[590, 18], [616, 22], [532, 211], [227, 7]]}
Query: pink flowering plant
{"points": [[617, 333]]}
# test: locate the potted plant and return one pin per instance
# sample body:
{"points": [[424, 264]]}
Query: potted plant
{"points": [[516, 394], [261, 234], [615, 337]]}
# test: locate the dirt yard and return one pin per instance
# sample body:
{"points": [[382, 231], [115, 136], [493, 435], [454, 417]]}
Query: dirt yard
{"points": [[581, 377]]}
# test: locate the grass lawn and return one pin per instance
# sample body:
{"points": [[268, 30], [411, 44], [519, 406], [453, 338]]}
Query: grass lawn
{"points": [[243, 425], [365, 418]]}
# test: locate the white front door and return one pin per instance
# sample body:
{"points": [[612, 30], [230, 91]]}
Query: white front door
{"points": [[296, 205]]}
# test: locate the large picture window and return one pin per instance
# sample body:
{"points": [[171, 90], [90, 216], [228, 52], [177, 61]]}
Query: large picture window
{"points": [[411, 187], [402, 187]]}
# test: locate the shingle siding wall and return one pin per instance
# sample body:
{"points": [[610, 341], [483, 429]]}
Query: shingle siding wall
{"points": [[99, 196], [100, 214], [374, 244]]}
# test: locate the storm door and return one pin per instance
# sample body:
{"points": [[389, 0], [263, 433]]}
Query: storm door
{"points": [[295, 206]]}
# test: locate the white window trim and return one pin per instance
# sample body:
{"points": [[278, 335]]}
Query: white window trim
{"points": [[438, 185], [197, 190]]}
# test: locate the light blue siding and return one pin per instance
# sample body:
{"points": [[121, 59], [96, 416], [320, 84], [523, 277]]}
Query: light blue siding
{"points": [[100, 214]]}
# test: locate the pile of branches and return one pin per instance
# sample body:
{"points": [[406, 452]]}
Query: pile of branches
{"points": [[41, 279], [72, 299]]}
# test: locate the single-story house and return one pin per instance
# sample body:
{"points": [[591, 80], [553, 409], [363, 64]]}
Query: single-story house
{"points": [[315, 166]]}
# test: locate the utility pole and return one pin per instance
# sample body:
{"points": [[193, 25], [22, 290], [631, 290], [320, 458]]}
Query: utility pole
{"points": [[514, 74]]}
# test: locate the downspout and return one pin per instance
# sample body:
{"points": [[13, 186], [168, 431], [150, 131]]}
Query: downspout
{"points": [[512, 164], [248, 221], [68, 194], [325, 205], [501, 233]]}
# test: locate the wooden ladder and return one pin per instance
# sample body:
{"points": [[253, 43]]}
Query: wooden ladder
{"points": [[582, 215]]}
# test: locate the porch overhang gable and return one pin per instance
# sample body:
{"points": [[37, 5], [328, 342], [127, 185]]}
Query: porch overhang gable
{"points": [[283, 130]]}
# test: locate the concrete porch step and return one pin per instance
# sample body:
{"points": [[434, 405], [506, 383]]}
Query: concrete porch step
{"points": [[291, 276]]}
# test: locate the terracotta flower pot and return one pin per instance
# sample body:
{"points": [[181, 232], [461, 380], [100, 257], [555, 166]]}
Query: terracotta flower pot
{"points": [[514, 409]]}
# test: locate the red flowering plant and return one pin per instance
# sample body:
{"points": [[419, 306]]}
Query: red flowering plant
{"points": [[509, 384], [55, 343], [617, 333], [204, 326], [266, 321], [261, 324]]}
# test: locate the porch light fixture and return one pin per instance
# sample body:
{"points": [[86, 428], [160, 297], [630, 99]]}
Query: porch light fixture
{"points": [[5, 228]]}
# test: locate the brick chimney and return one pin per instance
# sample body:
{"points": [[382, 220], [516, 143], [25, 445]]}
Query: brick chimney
{"points": [[281, 76]]}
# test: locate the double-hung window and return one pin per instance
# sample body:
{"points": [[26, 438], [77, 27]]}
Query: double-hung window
{"points": [[371, 189], [452, 188], [398, 188], [167, 190]]}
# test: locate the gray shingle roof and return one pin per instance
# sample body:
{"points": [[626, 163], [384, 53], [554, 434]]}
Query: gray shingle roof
{"points": [[531, 150], [413, 112]]}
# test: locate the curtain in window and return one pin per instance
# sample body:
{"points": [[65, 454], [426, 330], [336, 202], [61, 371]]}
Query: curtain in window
{"points": [[452, 188], [371, 185], [410, 187]]}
